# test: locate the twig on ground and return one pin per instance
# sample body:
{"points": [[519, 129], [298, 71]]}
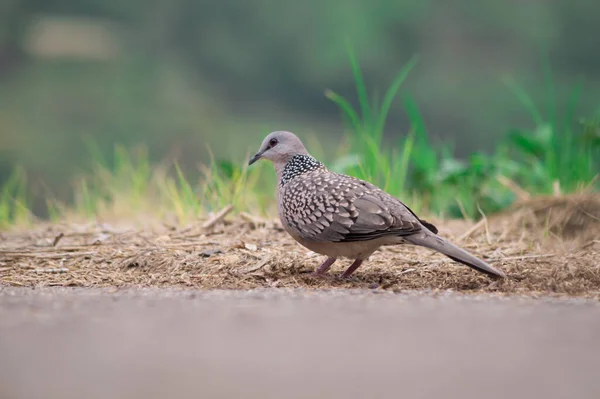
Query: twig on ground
{"points": [[51, 250], [218, 217], [472, 230], [522, 257], [464, 213], [46, 255], [589, 244], [252, 219], [407, 271], [254, 268], [57, 238], [52, 270], [487, 230]]}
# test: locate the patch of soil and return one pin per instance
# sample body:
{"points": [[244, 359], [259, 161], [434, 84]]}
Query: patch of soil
{"points": [[249, 253]]}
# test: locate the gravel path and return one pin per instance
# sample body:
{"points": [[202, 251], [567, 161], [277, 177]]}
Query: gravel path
{"points": [[160, 343]]}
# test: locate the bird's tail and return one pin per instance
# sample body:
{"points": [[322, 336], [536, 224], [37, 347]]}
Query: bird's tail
{"points": [[455, 253]]}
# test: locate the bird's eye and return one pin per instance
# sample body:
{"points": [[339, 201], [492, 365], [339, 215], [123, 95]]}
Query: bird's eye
{"points": [[273, 142]]}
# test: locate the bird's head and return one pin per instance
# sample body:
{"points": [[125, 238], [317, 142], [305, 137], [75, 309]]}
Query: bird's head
{"points": [[279, 147]]}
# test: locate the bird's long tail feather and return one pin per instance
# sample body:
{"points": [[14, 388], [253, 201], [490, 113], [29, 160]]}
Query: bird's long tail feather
{"points": [[452, 251]]}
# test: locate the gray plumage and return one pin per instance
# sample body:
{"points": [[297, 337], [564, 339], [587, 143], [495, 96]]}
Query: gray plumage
{"points": [[341, 216]]}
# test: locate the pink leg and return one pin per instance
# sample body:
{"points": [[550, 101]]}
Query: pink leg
{"points": [[323, 268], [352, 268]]}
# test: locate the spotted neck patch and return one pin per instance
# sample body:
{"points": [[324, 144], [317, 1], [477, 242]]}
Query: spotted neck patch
{"points": [[298, 165]]}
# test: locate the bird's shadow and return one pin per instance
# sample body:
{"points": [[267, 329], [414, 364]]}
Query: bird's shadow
{"points": [[394, 281]]}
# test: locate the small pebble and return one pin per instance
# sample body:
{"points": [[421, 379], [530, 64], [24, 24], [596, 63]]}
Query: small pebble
{"points": [[210, 252]]}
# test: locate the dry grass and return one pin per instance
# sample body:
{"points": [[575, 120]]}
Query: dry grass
{"points": [[248, 253], [569, 217]]}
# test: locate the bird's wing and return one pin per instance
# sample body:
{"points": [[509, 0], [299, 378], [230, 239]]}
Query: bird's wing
{"points": [[336, 208]]}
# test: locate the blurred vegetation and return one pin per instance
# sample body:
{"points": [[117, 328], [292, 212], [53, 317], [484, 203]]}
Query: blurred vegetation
{"points": [[106, 105], [557, 156]]}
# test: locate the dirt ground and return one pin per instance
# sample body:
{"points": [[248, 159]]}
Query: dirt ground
{"points": [[243, 252]]}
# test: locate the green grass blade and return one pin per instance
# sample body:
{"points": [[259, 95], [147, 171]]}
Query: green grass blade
{"points": [[391, 93], [363, 97], [416, 120], [407, 149], [95, 152], [551, 100], [525, 100], [346, 108]]}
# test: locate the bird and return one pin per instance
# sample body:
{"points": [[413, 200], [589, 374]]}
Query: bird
{"points": [[341, 216]]}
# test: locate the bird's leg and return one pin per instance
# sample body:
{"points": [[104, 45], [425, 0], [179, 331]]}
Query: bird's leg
{"points": [[352, 268], [323, 268]]}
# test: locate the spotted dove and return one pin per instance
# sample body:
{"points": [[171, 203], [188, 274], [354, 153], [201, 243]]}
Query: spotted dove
{"points": [[340, 216]]}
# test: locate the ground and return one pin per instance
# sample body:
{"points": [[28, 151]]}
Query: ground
{"points": [[244, 252], [226, 308]]}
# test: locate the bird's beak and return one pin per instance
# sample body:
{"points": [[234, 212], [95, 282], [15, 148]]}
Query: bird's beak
{"points": [[255, 158]]}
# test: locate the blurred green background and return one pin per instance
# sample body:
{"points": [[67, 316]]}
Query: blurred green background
{"points": [[178, 76]]}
